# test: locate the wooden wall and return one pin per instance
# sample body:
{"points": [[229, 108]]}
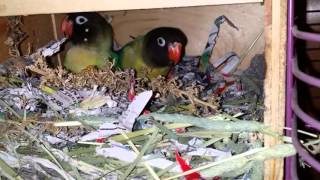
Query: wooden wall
{"points": [[3, 37], [15, 7], [196, 22], [39, 31], [275, 81]]}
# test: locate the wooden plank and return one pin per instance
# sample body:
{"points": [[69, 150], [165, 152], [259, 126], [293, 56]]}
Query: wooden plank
{"points": [[4, 51], [38, 29], [196, 22], [275, 35], [27, 7]]}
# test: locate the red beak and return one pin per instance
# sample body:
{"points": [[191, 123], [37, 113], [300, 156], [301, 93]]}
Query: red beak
{"points": [[174, 52], [67, 27]]}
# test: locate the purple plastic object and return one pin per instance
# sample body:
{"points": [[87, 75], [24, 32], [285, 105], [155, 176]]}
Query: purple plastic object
{"points": [[301, 150], [302, 115], [303, 76], [308, 36], [295, 140], [292, 108], [289, 164]]}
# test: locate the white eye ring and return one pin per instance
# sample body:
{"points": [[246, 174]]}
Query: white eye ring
{"points": [[81, 20], [161, 42]]}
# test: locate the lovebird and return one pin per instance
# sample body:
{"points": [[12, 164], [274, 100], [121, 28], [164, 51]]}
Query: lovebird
{"points": [[154, 53], [92, 39]]}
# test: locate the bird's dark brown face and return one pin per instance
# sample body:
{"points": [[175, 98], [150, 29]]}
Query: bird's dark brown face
{"points": [[82, 28], [166, 45]]}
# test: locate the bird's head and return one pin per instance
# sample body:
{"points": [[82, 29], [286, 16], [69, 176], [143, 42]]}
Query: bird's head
{"points": [[165, 45], [84, 28]]}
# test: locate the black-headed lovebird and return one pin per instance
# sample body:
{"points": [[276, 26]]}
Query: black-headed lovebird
{"points": [[92, 38], [154, 53]]}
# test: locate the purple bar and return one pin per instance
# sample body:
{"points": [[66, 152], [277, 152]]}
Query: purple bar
{"points": [[302, 115], [303, 76], [289, 84], [294, 173], [291, 95], [304, 153], [308, 36], [289, 76]]}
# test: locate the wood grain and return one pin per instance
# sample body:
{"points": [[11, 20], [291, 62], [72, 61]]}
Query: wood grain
{"points": [[38, 29], [3, 36], [27, 7], [196, 22], [275, 28]]}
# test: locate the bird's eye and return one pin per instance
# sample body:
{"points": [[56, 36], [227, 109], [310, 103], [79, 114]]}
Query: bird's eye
{"points": [[161, 42], [81, 20]]}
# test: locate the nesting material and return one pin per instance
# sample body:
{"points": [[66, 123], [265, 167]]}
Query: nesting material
{"points": [[59, 125]]}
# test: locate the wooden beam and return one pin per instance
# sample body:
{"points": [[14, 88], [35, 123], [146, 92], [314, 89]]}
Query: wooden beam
{"points": [[275, 35], [27, 7]]}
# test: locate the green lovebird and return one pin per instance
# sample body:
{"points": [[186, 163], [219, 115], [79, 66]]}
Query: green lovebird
{"points": [[154, 53], [92, 38]]}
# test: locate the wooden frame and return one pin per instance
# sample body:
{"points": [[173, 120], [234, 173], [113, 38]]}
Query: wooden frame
{"points": [[275, 53], [27, 7]]}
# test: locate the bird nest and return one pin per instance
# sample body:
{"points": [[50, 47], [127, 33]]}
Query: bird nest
{"points": [[60, 125]]}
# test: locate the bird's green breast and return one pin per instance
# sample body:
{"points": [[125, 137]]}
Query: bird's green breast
{"points": [[131, 56], [79, 58]]}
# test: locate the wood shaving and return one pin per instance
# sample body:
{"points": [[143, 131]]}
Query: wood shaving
{"points": [[15, 35], [192, 93], [115, 81]]}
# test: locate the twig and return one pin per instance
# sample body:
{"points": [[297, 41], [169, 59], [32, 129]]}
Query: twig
{"points": [[8, 172], [74, 168], [143, 132], [55, 34], [245, 54], [312, 142], [140, 155], [303, 132], [209, 124], [111, 171], [38, 71], [40, 144], [277, 151], [10, 109], [194, 99]]}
